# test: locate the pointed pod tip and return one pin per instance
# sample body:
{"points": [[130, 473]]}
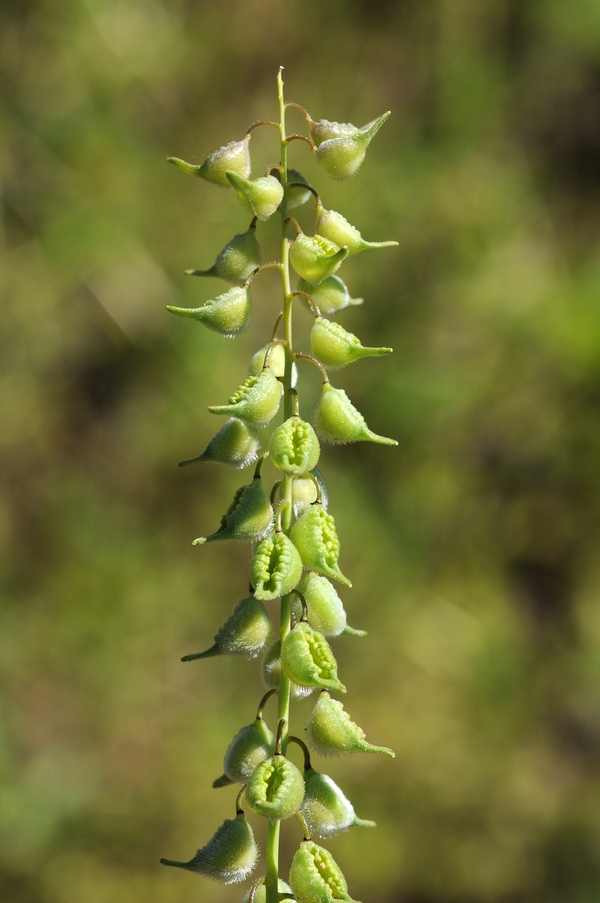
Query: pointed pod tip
{"points": [[200, 541], [352, 631], [178, 865], [364, 823]]}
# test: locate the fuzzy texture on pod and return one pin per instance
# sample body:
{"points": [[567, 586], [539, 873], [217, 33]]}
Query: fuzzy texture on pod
{"points": [[230, 856], [294, 447], [336, 420], [251, 745], [326, 611], [336, 228], [228, 314], [330, 295], [341, 156], [276, 567], [239, 258], [260, 894], [256, 400], [334, 347], [271, 673], [249, 516], [236, 444], [261, 197], [275, 789], [305, 492], [234, 157], [331, 731], [315, 258], [321, 130], [326, 809], [245, 632], [307, 659], [315, 537], [316, 877]]}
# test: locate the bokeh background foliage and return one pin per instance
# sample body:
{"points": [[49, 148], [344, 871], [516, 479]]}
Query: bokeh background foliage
{"points": [[473, 547]]}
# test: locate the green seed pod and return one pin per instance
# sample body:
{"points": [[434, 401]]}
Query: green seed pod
{"points": [[261, 197], [334, 347], [336, 228], [228, 314], [236, 444], [307, 659], [327, 811], [275, 789], [342, 156], [260, 894], [256, 400], [297, 196], [230, 855], [276, 361], [330, 295], [305, 492], [331, 731], [326, 611], [236, 261], [294, 447], [276, 567], [234, 157], [336, 420], [321, 130], [271, 673], [245, 632], [315, 537], [315, 258], [316, 877], [249, 516], [251, 745]]}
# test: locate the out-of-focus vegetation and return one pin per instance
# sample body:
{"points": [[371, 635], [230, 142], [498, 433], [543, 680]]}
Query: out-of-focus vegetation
{"points": [[473, 548]]}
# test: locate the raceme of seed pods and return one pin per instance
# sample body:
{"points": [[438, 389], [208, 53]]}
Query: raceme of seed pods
{"points": [[291, 534]]}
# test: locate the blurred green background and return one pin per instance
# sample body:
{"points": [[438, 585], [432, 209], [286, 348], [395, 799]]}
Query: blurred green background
{"points": [[473, 547]]}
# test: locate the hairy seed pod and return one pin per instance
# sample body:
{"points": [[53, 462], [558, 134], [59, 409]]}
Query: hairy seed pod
{"points": [[321, 130], [307, 659], [228, 314], [245, 632], [334, 347], [331, 731], [276, 361], [315, 537], [236, 444], [261, 197], [251, 745], [316, 877], [250, 515], [260, 894], [336, 420], [294, 447], [275, 789], [327, 811], [330, 295], [276, 567], [234, 157], [342, 156], [256, 400], [271, 673], [305, 492], [236, 261], [315, 258], [230, 856], [336, 228], [326, 611]]}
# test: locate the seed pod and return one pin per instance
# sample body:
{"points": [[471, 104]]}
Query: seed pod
{"points": [[256, 400], [251, 745], [330, 295], [315, 258], [276, 567], [336, 228], [316, 877], [228, 314], [294, 447], [305, 492], [249, 516], [326, 611], [236, 261], [260, 894], [336, 420], [234, 157], [307, 659], [321, 130], [230, 855], [315, 537], [275, 789], [297, 196], [342, 156], [236, 444], [245, 632], [276, 360], [327, 811], [333, 346], [261, 197], [271, 673], [331, 731]]}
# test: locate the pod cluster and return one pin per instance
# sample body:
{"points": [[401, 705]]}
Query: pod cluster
{"points": [[293, 610]]}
